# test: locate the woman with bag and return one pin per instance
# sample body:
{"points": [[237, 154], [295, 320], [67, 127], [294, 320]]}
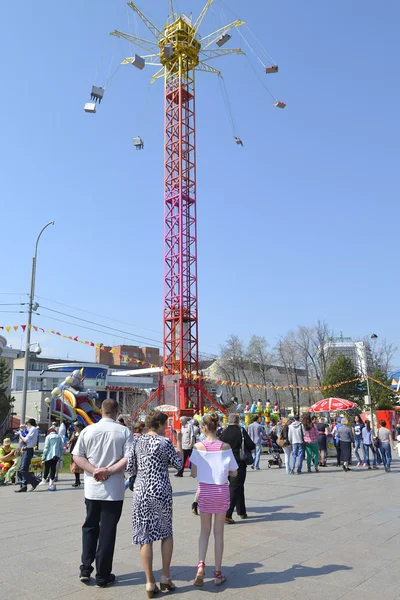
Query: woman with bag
{"points": [[212, 461], [52, 452], [283, 442], [71, 445], [242, 447]]}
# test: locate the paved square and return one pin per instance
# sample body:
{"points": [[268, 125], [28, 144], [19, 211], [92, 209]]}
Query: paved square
{"points": [[329, 535]]}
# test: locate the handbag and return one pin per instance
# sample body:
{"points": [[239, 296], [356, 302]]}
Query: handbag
{"points": [[281, 442], [245, 455]]}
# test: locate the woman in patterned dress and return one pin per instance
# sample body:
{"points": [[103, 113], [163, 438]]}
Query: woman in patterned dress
{"points": [[212, 462], [150, 456]]}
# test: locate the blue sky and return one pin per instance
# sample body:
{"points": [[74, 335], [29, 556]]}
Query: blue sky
{"points": [[298, 225]]}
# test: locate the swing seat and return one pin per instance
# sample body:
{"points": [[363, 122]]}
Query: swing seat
{"points": [[90, 107], [138, 62], [223, 40], [168, 50], [138, 143], [272, 69], [280, 104], [97, 94]]}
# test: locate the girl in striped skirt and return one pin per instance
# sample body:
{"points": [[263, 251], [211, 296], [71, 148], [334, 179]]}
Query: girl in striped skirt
{"points": [[212, 462]]}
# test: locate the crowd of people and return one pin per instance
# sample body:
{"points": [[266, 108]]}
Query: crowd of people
{"points": [[218, 457], [307, 438], [18, 457]]}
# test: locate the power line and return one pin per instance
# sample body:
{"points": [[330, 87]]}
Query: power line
{"points": [[97, 314], [74, 324], [14, 304], [109, 319], [113, 329]]}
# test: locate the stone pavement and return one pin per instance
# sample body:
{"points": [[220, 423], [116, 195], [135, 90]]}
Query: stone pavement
{"points": [[331, 535]]}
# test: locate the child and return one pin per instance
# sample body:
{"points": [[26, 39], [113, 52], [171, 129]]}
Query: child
{"points": [[15, 467]]}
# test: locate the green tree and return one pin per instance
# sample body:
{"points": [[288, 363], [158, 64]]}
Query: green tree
{"points": [[382, 398], [5, 401], [343, 369]]}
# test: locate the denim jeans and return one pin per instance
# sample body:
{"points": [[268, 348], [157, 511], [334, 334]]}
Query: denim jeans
{"points": [[26, 476], [367, 448], [358, 445], [288, 452], [256, 456], [386, 452], [297, 452]]}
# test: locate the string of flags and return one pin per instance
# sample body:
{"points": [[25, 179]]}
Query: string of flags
{"points": [[187, 375]]}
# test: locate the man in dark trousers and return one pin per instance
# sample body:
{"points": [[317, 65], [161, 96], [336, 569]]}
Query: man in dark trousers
{"points": [[102, 452], [188, 441], [30, 441], [233, 436]]}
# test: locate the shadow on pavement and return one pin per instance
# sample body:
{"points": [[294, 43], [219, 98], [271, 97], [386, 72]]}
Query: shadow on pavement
{"points": [[272, 513], [240, 576]]}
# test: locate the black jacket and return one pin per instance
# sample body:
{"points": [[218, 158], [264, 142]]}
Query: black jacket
{"points": [[233, 436]]}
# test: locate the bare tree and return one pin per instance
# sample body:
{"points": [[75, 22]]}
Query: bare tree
{"points": [[315, 349], [260, 360], [235, 358], [382, 355], [288, 355]]}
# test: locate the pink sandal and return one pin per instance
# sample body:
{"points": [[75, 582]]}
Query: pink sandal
{"points": [[199, 580], [219, 579]]}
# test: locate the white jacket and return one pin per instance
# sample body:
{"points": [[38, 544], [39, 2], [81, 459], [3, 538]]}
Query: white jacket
{"points": [[296, 433], [213, 467]]}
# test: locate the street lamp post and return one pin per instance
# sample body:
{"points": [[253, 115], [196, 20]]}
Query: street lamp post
{"points": [[373, 337], [48, 402], [28, 332]]}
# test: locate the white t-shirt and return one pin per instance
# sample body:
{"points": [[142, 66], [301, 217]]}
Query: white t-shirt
{"points": [[104, 444], [213, 467]]}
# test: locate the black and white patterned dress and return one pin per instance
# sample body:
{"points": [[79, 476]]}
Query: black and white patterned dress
{"points": [[149, 459]]}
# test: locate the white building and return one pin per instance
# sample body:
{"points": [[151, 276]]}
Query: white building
{"points": [[358, 352]]}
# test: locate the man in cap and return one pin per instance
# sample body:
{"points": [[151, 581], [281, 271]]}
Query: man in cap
{"points": [[30, 442]]}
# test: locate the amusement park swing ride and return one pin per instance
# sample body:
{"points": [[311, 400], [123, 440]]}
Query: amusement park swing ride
{"points": [[179, 51]]}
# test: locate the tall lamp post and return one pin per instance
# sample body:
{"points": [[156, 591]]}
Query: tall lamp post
{"points": [[373, 337], [28, 332]]}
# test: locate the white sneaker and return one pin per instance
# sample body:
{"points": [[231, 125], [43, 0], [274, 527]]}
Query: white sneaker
{"points": [[43, 482], [52, 488], [358, 464]]}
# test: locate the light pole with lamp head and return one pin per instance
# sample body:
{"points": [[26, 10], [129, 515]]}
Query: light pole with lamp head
{"points": [[32, 306], [48, 401], [373, 337]]}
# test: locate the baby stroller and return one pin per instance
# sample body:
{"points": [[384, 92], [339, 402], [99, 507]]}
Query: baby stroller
{"points": [[275, 460]]}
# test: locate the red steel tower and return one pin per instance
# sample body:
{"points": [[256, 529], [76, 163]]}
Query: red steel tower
{"points": [[180, 51]]}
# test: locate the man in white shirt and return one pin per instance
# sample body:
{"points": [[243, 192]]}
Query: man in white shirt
{"points": [[188, 441], [102, 452], [30, 442]]}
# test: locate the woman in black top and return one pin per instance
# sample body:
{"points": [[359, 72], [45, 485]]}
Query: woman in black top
{"points": [[233, 436], [322, 441]]}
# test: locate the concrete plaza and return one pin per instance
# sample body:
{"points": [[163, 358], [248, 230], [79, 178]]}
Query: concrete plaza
{"points": [[331, 535]]}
